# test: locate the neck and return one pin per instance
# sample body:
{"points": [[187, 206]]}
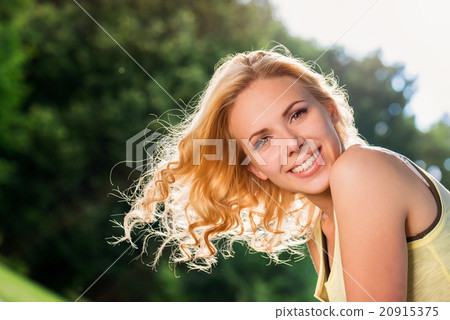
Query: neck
{"points": [[323, 201]]}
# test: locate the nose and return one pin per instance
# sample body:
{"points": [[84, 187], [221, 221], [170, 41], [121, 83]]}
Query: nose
{"points": [[292, 147], [289, 143], [293, 141]]}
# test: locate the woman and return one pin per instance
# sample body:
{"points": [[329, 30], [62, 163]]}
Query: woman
{"points": [[271, 156]]}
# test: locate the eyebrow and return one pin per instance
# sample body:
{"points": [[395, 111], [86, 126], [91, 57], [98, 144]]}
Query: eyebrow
{"points": [[285, 112]]}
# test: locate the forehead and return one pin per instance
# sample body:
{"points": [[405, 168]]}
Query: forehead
{"points": [[263, 101]]}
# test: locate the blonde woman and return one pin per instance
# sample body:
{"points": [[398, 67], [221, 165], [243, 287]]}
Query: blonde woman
{"points": [[271, 157]]}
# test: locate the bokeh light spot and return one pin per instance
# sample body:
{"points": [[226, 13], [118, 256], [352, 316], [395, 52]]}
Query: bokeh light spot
{"points": [[381, 128], [395, 109], [435, 172]]}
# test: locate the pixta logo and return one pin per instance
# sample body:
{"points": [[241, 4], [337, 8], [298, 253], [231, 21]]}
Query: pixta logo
{"points": [[141, 148]]}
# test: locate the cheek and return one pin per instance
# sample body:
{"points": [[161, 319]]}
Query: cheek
{"points": [[269, 164], [333, 133], [272, 158], [331, 129], [336, 142]]}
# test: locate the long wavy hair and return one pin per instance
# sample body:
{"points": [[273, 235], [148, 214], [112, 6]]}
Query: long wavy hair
{"points": [[191, 204]]}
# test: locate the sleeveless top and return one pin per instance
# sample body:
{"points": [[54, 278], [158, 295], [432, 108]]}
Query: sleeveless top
{"points": [[428, 253]]}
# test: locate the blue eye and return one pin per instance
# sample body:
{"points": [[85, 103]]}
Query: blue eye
{"points": [[262, 141], [297, 114]]}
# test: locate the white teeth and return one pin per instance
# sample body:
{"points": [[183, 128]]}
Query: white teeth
{"points": [[306, 164]]}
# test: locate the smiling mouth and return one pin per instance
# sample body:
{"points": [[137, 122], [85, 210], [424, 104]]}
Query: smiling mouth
{"points": [[307, 163]]}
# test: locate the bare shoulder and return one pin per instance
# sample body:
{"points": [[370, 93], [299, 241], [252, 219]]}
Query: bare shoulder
{"points": [[369, 174], [366, 161]]}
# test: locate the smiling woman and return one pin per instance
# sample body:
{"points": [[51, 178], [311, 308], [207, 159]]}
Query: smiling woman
{"points": [[375, 224], [301, 126]]}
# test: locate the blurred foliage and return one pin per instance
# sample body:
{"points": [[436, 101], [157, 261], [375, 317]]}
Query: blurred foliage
{"points": [[19, 288], [70, 98]]}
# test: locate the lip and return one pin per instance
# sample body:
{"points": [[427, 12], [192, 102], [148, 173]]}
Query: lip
{"points": [[306, 157], [313, 169]]}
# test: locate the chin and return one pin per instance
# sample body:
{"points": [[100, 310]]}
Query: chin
{"points": [[320, 190], [318, 187]]}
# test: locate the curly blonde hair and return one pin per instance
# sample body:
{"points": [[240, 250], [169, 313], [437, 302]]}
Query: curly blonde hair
{"points": [[192, 206]]}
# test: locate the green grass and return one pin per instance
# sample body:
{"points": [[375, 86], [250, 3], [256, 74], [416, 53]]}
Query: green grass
{"points": [[16, 287]]}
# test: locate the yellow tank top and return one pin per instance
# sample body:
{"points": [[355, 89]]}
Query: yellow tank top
{"points": [[428, 255]]}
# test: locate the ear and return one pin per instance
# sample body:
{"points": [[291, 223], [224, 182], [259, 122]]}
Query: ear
{"points": [[334, 114], [250, 167]]}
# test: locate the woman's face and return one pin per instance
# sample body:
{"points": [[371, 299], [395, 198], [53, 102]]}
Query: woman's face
{"points": [[291, 139]]}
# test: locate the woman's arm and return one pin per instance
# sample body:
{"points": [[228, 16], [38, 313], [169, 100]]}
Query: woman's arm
{"points": [[369, 189], [314, 253]]}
